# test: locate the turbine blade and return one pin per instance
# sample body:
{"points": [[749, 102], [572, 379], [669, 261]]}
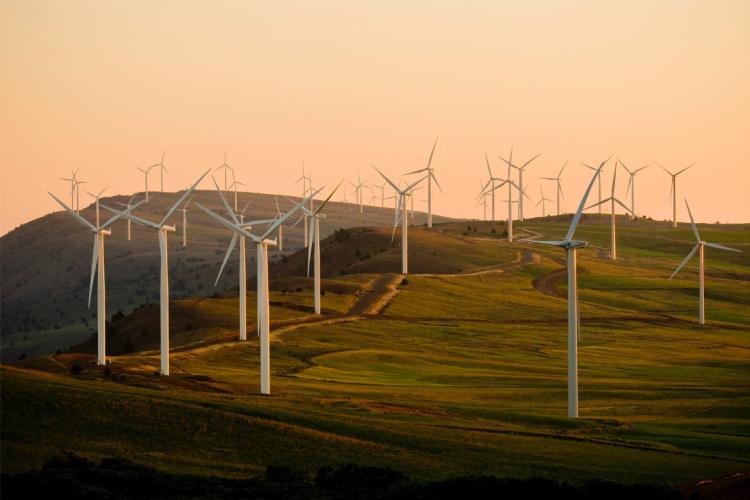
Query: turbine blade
{"points": [[692, 222], [689, 256], [73, 213], [183, 197], [94, 259], [232, 244], [577, 216], [722, 247]]}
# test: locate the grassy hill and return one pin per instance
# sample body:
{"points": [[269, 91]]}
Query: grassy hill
{"points": [[46, 264], [459, 370]]}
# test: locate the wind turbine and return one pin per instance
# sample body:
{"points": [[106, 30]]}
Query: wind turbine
{"points": [[570, 245], [559, 186], [314, 238], [163, 229], [162, 169], [673, 191], [234, 185], [127, 205], [599, 181], [613, 216], [701, 279], [521, 191], [184, 223], [541, 201], [242, 288], [97, 266], [631, 186], [430, 177], [96, 197], [227, 167], [145, 178], [401, 216], [262, 244]]}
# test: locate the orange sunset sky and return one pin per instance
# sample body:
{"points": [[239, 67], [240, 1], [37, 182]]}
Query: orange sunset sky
{"points": [[106, 86]]}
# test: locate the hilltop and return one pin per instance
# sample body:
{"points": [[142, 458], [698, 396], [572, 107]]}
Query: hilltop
{"points": [[46, 263]]}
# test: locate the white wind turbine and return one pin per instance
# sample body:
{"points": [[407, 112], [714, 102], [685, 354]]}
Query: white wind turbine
{"points": [[184, 223], [242, 288], [430, 177], [97, 267], [599, 181], [162, 169], [127, 205], [541, 202], [673, 191], [401, 216], [631, 186], [701, 279], [226, 167], [570, 245], [262, 244], [521, 190], [559, 185], [314, 238], [145, 178], [96, 197], [163, 229], [613, 215]]}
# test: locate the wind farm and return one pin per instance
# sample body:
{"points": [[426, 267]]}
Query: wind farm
{"points": [[300, 292]]}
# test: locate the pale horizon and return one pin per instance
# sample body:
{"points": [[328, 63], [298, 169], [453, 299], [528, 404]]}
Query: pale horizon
{"points": [[109, 86]]}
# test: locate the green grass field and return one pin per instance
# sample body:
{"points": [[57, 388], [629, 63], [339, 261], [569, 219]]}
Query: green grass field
{"points": [[463, 372]]}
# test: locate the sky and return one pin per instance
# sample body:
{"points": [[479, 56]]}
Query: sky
{"points": [[109, 85]]}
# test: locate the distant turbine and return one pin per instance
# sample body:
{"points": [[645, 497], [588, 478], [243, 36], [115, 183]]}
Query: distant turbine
{"points": [[127, 205], [521, 191], [673, 191], [314, 238], [599, 181], [631, 186], [541, 201], [184, 223], [570, 245], [264, 311], [163, 229], [226, 167], [613, 216], [430, 177], [559, 186], [401, 216], [162, 169], [96, 197], [145, 178], [699, 246], [97, 266]]}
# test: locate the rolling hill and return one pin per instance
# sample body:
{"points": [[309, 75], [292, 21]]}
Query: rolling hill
{"points": [[457, 370]]}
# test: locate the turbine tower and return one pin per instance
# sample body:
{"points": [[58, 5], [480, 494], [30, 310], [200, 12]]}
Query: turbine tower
{"points": [[430, 177], [631, 186], [570, 245], [673, 191], [97, 268], [314, 239], [559, 186], [162, 169], [163, 229], [262, 243], [521, 191], [701, 277], [401, 216], [613, 216]]}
